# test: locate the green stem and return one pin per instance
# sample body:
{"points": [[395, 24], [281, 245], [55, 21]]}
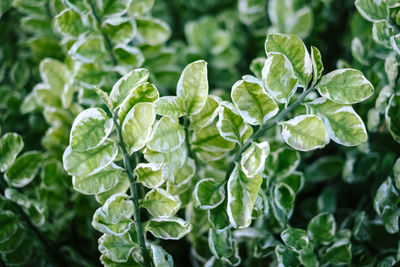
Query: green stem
{"points": [[187, 137], [109, 45], [134, 194], [265, 127]]}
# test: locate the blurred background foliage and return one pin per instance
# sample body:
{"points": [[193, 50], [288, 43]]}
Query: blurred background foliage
{"points": [[95, 49]]}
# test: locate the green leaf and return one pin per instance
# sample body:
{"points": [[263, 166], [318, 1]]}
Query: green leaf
{"points": [[193, 87], [167, 135], [206, 115], [69, 22], [128, 56], [209, 139], [253, 159], [305, 133], [88, 49], [345, 86], [294, 49], [322, 228], [294, 180], [89, 162], [121, 30], [282, 162], [372, 10], [231, 125], [221, 244], [24, 169], [396, 173], [324, 168], [168, 228], [140, 7], [121, 187], [160, 257], [286, 256], [295, 238], [252, 101], [99, 182], [316, 60], [382, 31], [143, 92], [9, 225], [218, 217], [278, 78], [174, 159], [308, 258], [126, 84], [117, 248], [242, 194], [208, 193], [390, 219], [182, 177], [14, 242], [170, 106], [160, 203], [90, 129], [338, 253], [385, 196], [114, 8], [55, 74], [151, 175], [283, 199], [343, 124], [10, 146], [392, 116], [152, 31], [137, 126]]}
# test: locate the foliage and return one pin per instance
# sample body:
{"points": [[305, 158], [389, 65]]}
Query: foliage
{"points": [[129, 136]]}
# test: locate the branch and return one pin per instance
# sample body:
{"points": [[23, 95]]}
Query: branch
{"points": [[134, 194], [266, 127]]}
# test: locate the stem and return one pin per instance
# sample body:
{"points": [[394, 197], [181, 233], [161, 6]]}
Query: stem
{"points": [[187, 137], [267, 126], [105, 36], [134, 194]]}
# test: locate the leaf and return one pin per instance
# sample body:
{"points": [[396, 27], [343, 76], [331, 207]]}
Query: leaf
{"points": [[282, 162], [170, 106], [151, 175], [121, 30], [90, 129], [338, 253], [114, 8], [89, 162], [396, 173], [392, 116], [322, 228], [286, 256], [206, 115], [231, 125], [294, 180], [143, 92], [390, 219], [278, 78], [209, 139], [305, 133], [167, 135], [174, 159], [99, 182], [9, 225], [295, 238], [117, 248], [208, 193], [182, 177], [69, 22], [140, 7], [242, 194], [168, 228], [324, 168], [385, 196], [152, 31], [345, 86], [382, 31], [283, 202], [160, 257], [343, 124], [252, 101], [221, 244], [294, 49], [137, 126], [128, 56], [126, 84], [192, 87], [372, 10], [11, 145], [253, 159], [24, 169], [317, 65], [159, 203], [54, 73]]}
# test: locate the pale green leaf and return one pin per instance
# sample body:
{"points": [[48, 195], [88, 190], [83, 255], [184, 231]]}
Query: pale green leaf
{"points": [[278, 78], [151, 175], [174, 159], [252, 101], [317, 65], [160, 257], [295, 238], [372, 10], [192, 87], [392, 116], [206, 115], [253, 159], [117, 248], [182, 177], [86, 163], [10, 146], [209, 139], [168, 228], [170, 106], [24, 169], [167, 135], [305, 133], [90, 129], [160, 203], [208, 193], [152, 31], [137, 126], [140, 7], [345, 86], [294, 49], [343, 124], [242, 194]]}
